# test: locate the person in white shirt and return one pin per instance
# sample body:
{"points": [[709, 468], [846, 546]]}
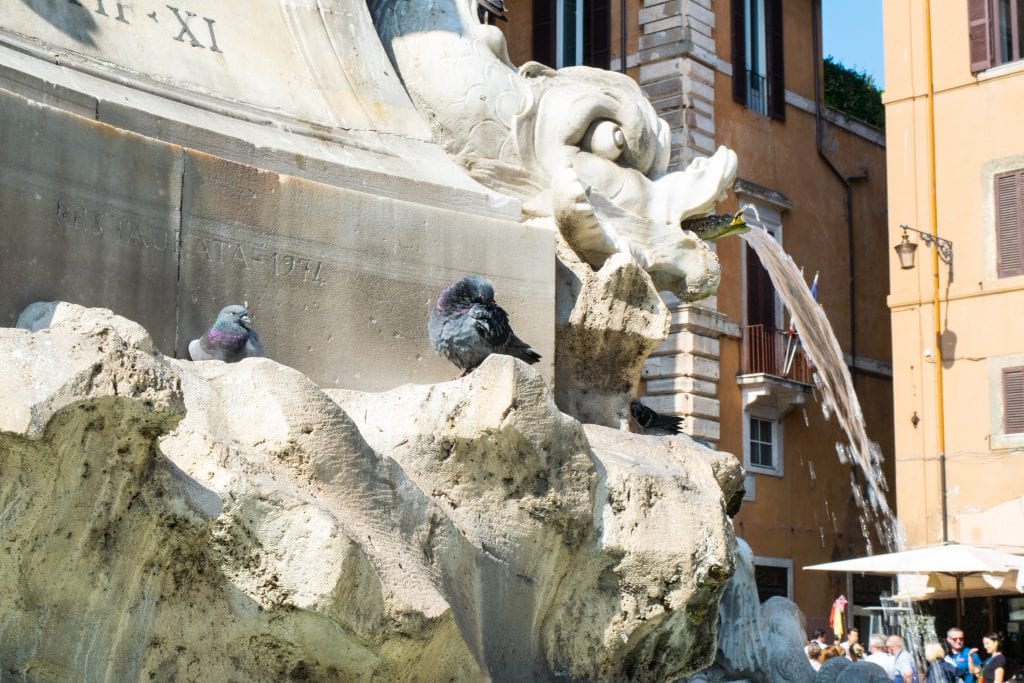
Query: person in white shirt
{"points": [[902, 660], [880, 656]]}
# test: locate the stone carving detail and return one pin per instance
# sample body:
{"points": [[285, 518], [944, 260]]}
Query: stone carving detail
{"points": [[582, 145], [208, 521], [757, 642]]}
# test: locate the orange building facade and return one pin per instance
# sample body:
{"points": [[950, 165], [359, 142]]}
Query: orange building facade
{"points": [[747, 74]]}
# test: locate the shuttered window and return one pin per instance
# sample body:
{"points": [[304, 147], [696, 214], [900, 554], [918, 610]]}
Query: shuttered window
{"points": [[1009, 193], [572, 32], [995, 32], [758, 76], [1013, 400]]}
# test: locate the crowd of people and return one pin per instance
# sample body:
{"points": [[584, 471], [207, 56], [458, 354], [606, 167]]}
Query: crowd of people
{"points": [[949, 662]]}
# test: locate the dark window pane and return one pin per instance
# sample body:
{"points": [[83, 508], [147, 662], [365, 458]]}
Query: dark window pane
{"points": [[771, 581]]}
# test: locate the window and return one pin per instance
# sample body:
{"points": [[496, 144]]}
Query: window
{"points": [[773, 576], [757, 62], [1009, 194], [572, 32], [996, 32], [1013, 400], [1005, 384], [762, 447], [761, 443]]}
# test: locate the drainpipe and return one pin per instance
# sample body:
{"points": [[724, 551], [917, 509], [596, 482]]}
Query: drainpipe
{"points": [[940, 413], [846, 181], [622, 36]]}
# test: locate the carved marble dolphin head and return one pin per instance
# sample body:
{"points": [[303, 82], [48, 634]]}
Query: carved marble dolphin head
{"points": [[604, 152], [581, 145]]}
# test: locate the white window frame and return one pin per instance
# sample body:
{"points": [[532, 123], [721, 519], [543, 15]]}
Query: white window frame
{"points": [[560, 32], [998, 439], [777, 469], [778, 562], [989, 171]]}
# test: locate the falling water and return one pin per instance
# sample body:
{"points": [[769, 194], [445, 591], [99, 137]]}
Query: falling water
{"points": [[835, 386]]}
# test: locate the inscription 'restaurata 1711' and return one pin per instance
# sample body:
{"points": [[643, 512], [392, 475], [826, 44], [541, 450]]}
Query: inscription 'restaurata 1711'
{"points": [[180, 19], [224, 254]]}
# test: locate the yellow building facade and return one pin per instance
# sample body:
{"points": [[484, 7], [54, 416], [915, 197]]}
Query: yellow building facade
{"points": [[958, 377]]}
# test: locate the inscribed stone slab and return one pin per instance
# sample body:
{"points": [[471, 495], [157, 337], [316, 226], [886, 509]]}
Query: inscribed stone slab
{"points": [[88, 214]]}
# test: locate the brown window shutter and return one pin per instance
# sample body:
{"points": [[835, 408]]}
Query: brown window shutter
{"points": [[544, 32], [739, 52], [1009, 189], [1013, 400], [979, 31], [597, 34], [776, 62]]}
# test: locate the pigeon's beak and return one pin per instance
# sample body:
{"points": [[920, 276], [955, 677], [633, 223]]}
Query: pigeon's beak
{"points": [[246, 320]]}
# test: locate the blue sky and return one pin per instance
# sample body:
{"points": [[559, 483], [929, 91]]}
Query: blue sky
{"points": [[852, 34]]}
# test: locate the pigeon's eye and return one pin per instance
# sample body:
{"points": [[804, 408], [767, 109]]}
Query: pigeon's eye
{"points": [[604, 138]]}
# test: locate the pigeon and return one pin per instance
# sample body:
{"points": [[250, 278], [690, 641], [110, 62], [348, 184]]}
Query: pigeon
{"points": [[654, 423], [230, 339], [466, 326], [490, 10]]}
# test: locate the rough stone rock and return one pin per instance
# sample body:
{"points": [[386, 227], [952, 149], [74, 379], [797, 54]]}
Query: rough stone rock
{"points": [[608, 322], [167, 520]]}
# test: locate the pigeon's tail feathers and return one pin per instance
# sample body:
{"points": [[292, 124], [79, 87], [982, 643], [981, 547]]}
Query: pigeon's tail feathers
{"points": [[521, 350], [649, 419]]}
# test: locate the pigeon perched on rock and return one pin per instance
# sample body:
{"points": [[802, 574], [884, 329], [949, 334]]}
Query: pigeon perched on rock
{"points": [[654, 423], [230, 339], [466, 326]]}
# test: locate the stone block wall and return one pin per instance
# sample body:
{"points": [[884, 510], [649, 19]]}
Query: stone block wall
{"points": [[677, 57]]}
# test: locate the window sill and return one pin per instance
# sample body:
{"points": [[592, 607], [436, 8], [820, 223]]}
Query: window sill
{"points": [[755, 469], [1001, 70]]}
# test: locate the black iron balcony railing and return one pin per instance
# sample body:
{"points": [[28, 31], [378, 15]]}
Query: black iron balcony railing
{"points": [[757, 92], [769, 351]]}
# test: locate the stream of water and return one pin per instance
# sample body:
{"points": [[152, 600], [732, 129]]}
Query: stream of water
{"points": [[835, 386]]}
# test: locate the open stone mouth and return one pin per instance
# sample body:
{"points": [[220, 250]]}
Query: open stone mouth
{"points": [[716, 226]]}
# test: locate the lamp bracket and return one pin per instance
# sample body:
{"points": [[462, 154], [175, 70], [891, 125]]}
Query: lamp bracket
{"points": [[943, 246]]}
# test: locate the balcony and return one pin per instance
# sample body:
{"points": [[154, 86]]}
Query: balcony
{"points": [[775, 374]]}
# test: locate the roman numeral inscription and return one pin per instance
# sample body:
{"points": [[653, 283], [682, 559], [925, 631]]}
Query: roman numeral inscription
{"points": [[184, 26], [186, 30]]}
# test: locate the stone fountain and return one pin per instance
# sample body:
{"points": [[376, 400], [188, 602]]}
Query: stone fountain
{"points": [[339, 511]]}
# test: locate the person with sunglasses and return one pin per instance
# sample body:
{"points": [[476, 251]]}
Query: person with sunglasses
{"points": [[959, 657]]}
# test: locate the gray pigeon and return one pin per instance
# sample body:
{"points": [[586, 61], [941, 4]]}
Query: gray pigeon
{"points": [[230, 339], [654, 423], [489, 10], [466, 326]]}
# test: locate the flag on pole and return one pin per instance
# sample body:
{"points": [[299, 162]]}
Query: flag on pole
{"points": [[835, 617], [793, 339]]}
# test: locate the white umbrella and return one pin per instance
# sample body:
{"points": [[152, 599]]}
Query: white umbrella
{"points": [[951, 560]]}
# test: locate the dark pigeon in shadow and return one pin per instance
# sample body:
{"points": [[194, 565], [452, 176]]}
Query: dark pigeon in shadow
{"points": [[466, 326], [654, 423]]}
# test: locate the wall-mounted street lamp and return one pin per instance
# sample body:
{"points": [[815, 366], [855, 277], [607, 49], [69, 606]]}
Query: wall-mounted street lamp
{"points": [[905, 249]]}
